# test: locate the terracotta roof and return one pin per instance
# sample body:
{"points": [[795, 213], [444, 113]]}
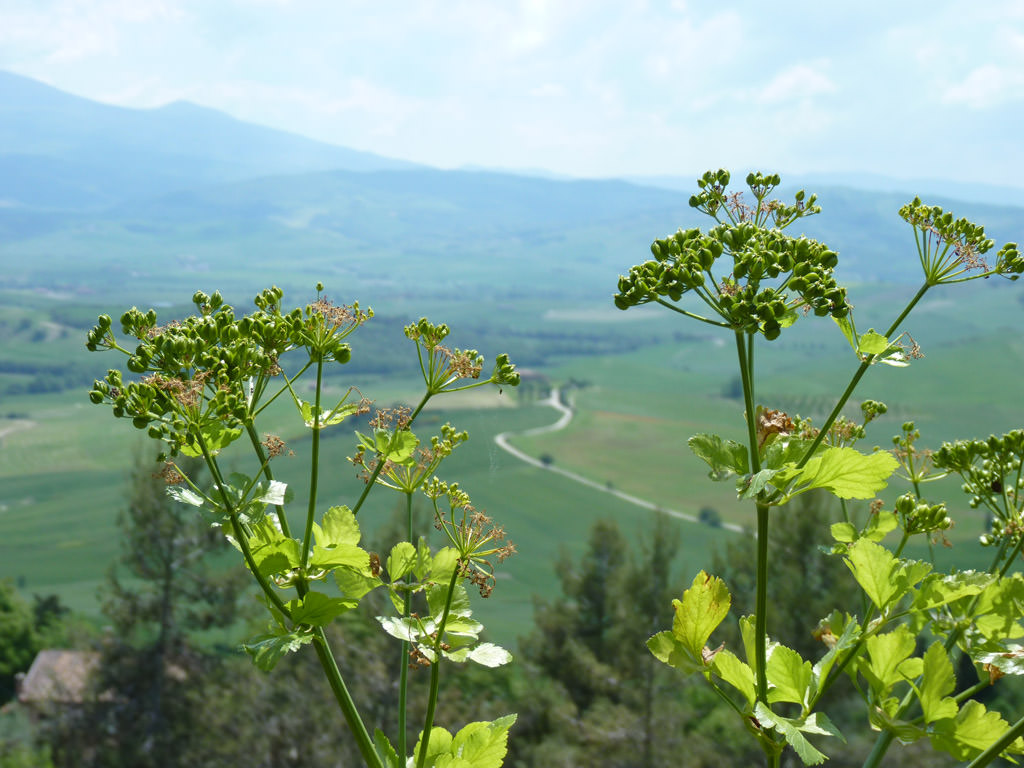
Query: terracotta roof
{"points": [[58, 676]]}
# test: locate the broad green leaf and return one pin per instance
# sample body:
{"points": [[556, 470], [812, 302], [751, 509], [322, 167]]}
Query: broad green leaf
{"points": [[790, 729], [341, 555], [483, 744], [384, 748], [872, 343], [438, 744], [880, 525], [444, 562], [215, 435], [408, 629], [789, 675], [275, 493], [748, 487], [401, 560], [844, 532], [339, 526], [874, 568], [938, 682], [668, 649], [267, 649], [185, 495], [317, 609], [437, 594], [778, 453], [725, 457], [999, 608], [938, 589], [703, 607], [276, 557], [354, 585], [736, 673], [886, 653], [489, 655], [971, 732], [846, 472], [849, 634]]}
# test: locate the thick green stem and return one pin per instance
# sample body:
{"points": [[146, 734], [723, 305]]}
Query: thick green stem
{"points": [[403, 674], [435, 671], [348, 707], [761, 611], [314, 471]]}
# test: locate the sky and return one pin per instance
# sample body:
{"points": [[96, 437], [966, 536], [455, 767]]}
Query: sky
{"points": [[591, 88]]}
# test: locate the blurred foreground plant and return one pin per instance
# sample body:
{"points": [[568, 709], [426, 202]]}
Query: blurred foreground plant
{"points": [[748, 276], [201, 385]]}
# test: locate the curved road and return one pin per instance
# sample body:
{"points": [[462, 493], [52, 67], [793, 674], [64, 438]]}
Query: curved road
{"points": [[555, 402]]}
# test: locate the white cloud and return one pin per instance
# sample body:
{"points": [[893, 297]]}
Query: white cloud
{"points": [[987, 86], [795, 84]]}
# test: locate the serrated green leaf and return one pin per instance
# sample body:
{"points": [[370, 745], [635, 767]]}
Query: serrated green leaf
{"points": [[185, 495], [736, 673], [748, 487], [384, 748], [872, 343], [483, 744], [408, 629], [401, 560], [267, 649], [789, 675], [276, 557], [341, 556], [880, 525], [725, 457], [438, 744], [443, 563], [327, 418], [874, 568], [886, 653], [849, 634], [275, 493], [339, 526], [971, 732], [489, 655], [938, 681], [668, 649], [844, 532], [317, 609], [353, 584], [704, 606], [790, 730], [437, 594], [938, 589], [845, 472], [216, 436]]}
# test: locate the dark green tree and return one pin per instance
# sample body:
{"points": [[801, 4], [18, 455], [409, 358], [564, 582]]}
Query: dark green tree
{"points": [[19, 641]]}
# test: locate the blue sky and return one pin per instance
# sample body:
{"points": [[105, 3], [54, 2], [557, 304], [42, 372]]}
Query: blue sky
{"points": [[580, 87]]}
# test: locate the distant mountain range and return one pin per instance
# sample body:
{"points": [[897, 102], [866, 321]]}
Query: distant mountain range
{"points": [[86, 184]]}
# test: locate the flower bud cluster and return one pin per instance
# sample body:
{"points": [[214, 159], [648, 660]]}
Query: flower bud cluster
{"points": [[918, 516], [992, 477], [200, 369], [800, 269]]}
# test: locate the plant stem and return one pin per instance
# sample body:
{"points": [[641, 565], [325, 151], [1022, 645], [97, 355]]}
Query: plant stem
{"points": [[258, 447], [314, 471], [857, 376], [348, 707], [403, 674], [435, 667], [761, 612]]}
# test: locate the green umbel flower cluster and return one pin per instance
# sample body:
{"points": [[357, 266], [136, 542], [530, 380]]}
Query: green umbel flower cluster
{"points": [[772, 274], [991, 471]]}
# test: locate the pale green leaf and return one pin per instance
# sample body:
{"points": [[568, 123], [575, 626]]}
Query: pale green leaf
{"points": [[354, 585], [339, 526], [704, 606], [341, 555], [216, 436], [844, 532], [846, 472], [938, 589], [668, 649], [317, 609], [384, 748], [438, 744], [437, 594], [937, 683], [736, 673], [483, 744], [789, 675], [873, 567], [886, 653], [845, 324], [267, 649], [489, 655], [872, 343], [790, 730], [185, 495], [1009, 660], [401, 560], [725, 457], [971, 732]]}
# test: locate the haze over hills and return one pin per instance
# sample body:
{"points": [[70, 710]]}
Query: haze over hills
{"points": [[89, 190]]}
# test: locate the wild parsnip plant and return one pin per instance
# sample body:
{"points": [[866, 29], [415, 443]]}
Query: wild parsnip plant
{"points": [[747, 276], [201, 385]]}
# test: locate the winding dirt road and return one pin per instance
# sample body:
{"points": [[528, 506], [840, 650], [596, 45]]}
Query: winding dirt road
{"points": [[554, 400]]}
